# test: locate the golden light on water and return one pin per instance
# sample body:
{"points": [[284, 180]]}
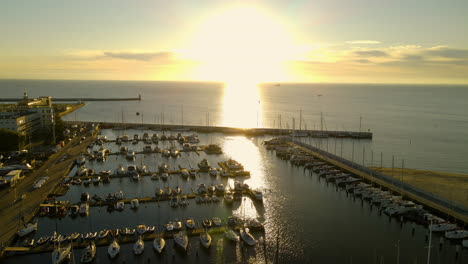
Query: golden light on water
{"points": [[242, 105], [247, 153]]}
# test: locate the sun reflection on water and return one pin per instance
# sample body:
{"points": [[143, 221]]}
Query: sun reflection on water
{"points": [[247, 153], [242, 106]]}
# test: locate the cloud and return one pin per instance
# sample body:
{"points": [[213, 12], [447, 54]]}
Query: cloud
{"points": [[444, 52], [139, 56], [370, 42], [371, 53]]}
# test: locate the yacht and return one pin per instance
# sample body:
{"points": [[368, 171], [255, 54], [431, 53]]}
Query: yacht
{"points": [[169, 226], [113, 249], [204, 165], [228, 197], [61, 254], [139, 246], [141, 229], [136, 176], [213, 172], [183, 200], [154, 177], [234, 165], [120, 170], [177, 225], [97, 179], [190, 223], [193, 139], [134, 203], [247, 237], [202, 188], [166, 153], [231, 235], [158, 244], [174, 202], [181, 239], [258, 195], [28, 229], [207, 223], [119, 195], [220, 188], [89, 253], [123, 150], [217, 221], [125, 138], [120, 206], [174, 152], [205, 239], [131, 155], [163, 168], [84, 209], [131, 169]]}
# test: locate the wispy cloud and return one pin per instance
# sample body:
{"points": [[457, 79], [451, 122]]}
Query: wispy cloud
{"points": [[140, 56], [368, 42], [371, 53]]}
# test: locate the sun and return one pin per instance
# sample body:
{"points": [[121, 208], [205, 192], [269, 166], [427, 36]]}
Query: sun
{"points": [[241, 42]]}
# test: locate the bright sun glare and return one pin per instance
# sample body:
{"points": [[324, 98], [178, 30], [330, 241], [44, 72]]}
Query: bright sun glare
{"points": [[242, 46]]}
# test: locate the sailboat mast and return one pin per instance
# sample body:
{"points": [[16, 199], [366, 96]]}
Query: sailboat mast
{"points": [[300, 119]]}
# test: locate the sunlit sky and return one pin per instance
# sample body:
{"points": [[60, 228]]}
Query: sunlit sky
{"points": [[398, 41]]}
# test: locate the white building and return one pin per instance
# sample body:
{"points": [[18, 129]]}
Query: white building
{"points": [[28, 115]]}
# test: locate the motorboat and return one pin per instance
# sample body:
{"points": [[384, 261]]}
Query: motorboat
{"points": [[213, 172], [166, 153], [204, 165], [154, 177], [130, 155], [220, 188], [177, 225], [207, 223], [174, 202], [231, 235], [141, 229], [119, 195], [193, 139], [163, 168], [61, 254], [228, 197], [169, 226], [120, 170], [183, 200], [139, 246], [190, 223], [217, 221], [158, 244], [84, 209], [136, 176], [247, 237], [150, 229], [181, 240], [187, 147], [205, 239], [258, 195], [142, 169], [202, 188], [87, 181], [97, 179], [113, 249], [76, 181], [125, 138], [101, 155], [74, 209], [28, 229], [89, 253], [134, 203], [457, 234], [120, 206], [234, 165], [214, 199], [174, 152], [185, 173], [211, 188], [123, 150]]}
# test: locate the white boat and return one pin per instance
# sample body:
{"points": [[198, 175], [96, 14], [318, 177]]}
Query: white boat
{"points": [[28, 229], [442, 227], [169, 226], [158, 244], [120, 170], [134, 203], [217, 221], [113, 249], [247, 237], [139, 246], [457, 234], [258, 195], [231, 235], [61, 254], [213, 172], [119, 195], [141, 229], [84, 209], [181, 240], [89, 253], [120, 206], [205, 239], [190, 223]]}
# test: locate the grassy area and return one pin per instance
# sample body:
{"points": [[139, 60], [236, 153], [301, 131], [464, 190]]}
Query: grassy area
{"points": [[451, 186]]}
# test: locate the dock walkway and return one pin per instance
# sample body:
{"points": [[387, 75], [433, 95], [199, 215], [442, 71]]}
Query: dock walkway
{"points": [[440, 204]]}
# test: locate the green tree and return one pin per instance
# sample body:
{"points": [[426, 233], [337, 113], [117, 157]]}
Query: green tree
{"points": [[11, 140]]}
